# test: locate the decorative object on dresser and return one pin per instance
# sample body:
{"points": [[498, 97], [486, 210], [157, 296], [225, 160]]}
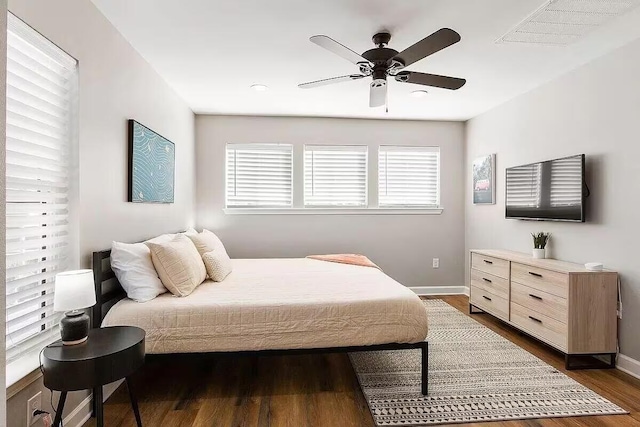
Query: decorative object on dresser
{"points": [[151, 165], [561, 304], [484, 180], [74, 291], [109, 355], [540, 241]]}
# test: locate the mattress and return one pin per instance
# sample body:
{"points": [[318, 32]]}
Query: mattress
{"points": [[279, 304]]}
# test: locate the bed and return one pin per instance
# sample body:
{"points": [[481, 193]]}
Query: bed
{"points": [[273, 306]]}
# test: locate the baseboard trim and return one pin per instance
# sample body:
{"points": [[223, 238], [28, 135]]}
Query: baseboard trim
{"points": [[82, 412], [440, 290], [628, 365]]}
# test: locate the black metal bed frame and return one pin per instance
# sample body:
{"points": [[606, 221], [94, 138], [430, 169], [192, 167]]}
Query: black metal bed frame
{"points": [[109, 291]]}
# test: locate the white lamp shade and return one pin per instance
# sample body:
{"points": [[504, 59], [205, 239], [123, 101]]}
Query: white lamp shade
{"points": [[74, 290]]}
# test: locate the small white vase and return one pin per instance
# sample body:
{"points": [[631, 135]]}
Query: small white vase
{"points": [[539, 253]]}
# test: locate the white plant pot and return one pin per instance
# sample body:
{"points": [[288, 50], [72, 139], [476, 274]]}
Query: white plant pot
{"points": [[539, 253]]}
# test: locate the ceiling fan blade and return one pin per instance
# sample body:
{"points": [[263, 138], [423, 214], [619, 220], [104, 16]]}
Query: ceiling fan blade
{"points": [[339, 49], [329, 81], [444, 82], [378, 93], [437, 41]]}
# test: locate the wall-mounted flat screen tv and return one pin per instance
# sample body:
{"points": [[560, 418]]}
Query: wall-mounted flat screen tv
{"points": [[554, 190]]}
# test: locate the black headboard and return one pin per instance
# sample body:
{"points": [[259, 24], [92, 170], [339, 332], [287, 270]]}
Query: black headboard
{"points": [[108, 289]]}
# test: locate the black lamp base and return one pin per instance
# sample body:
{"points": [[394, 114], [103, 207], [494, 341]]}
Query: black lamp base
{"points": [[74, 327]]}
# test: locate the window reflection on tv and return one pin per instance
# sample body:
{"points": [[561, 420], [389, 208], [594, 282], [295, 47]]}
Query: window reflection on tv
{"points": [[551, 190]]}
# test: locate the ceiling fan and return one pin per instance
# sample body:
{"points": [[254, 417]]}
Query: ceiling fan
{"points": [[382, 61]]}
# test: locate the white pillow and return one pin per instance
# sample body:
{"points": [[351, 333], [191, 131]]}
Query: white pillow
{"points": [[134, 269], [190, 231], [218, 264], [163, 238]]}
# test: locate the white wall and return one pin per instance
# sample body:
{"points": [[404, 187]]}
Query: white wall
{"points": [[403, 245], [115, 84], [593, 110]]}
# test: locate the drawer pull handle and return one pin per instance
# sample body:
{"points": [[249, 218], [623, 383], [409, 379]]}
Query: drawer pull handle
{"points": [[535, 320], [535, 297], [535, 274], [486, 280], [487, 261], [486, 297]]}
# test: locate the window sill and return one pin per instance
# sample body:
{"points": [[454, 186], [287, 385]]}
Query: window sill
{"points": [[23, 372], [333, 211]]}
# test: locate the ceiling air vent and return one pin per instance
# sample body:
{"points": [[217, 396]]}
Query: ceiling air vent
{"points": [[561, 22]]}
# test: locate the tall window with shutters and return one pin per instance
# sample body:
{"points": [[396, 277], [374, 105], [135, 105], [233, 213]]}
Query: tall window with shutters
{"points": [[41, 90], [408, 176], [335, 176], [259, 175]]}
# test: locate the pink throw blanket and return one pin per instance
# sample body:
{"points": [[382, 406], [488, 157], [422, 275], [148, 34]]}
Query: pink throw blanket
{"points": [[353, 259]]}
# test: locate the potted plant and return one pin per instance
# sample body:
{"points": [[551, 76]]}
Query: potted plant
{"points": [[540, 241]]}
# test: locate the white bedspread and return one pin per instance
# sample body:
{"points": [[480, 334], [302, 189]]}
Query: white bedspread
{"points": [[280, 304]]}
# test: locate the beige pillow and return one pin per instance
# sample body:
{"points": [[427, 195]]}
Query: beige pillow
{"points": [[178, 264], [206, 242], [218, 264]]}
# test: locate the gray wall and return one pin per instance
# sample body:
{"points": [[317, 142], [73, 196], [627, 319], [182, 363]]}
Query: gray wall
{"points": [[593, 110], [115, 84], [3, 223], [403, 245]]}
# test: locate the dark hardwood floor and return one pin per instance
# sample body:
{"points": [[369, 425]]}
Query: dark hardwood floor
{"points": [[315, 390]]}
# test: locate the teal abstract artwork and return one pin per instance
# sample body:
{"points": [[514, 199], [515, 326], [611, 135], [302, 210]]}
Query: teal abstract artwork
{"points": [[151, 165]]}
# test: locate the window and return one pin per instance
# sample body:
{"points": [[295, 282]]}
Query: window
{"points": [[259, 176], [409, 176], [335, 176], [41, 88]]}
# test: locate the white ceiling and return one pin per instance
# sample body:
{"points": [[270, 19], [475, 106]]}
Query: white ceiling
{"points": [[211, 51]]}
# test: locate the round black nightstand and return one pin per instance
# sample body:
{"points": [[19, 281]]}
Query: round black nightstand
{"points": [[108, 355]]}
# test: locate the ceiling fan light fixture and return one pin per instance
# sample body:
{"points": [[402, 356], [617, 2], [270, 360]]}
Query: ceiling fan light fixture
{"points": [[419, 93], [259, 87]]}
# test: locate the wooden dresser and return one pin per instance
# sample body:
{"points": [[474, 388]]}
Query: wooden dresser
{"points": [[562, 304]]}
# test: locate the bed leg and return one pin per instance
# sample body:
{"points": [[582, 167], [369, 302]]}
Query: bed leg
{"points": [[425, 368]]}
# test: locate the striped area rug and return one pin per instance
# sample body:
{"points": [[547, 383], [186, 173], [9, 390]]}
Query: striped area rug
{"points": [[475, 375]]}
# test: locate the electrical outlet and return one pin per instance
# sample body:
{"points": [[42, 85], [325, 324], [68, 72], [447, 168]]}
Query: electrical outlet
{"points": [[34, 404], [436, 263]]}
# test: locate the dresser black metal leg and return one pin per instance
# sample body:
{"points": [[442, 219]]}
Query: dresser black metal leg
{"points": [[134, 402], [57, 421], [99, 410]]}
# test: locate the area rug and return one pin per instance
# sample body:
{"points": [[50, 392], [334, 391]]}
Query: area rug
{"points": [[475, 375]]}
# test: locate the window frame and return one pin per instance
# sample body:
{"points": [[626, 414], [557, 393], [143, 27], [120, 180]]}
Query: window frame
{"points": [[336, 147], [256, 146], [44, 53], [408, 148]]}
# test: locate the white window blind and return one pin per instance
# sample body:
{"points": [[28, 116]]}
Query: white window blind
{"points": [[409, 176], [566, 182], [41, 88], [524, 185], [335, 176], [259, 175]]}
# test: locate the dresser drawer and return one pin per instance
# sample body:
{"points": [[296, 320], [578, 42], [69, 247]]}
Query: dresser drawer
{"points": [[543, 280], [496, 266], [490, 303], [541, 302], [490, 283], [543, 327]]}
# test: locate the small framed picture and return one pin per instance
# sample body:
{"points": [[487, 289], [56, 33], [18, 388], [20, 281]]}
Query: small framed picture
{"points": [[484, 180]]}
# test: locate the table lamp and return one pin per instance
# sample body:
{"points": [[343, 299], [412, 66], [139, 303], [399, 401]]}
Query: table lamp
{"points": [[74, 292]]}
